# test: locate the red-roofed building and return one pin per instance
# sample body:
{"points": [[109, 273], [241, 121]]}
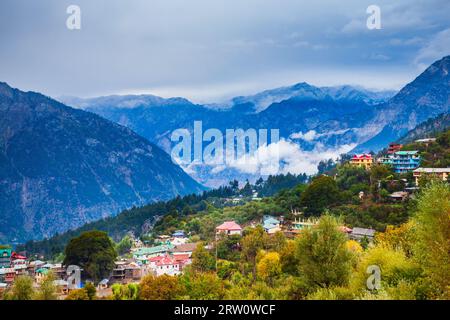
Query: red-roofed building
{"points": [[171, 265], [229, 228], [168, 265], [362, 160], [183, 260], [394, 147], [16, 256]]}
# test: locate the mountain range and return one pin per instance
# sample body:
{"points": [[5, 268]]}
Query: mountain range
{"points": [[315, 122], [62, 167]]}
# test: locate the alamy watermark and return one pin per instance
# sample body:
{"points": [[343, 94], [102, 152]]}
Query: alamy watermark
{"points": [[73, 22], [374, 20], [374, 280], [73, 277]]}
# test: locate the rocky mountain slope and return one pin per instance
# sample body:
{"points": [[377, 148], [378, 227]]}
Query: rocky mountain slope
{"points": [[426, 97], [61, 167], [428, 129]]}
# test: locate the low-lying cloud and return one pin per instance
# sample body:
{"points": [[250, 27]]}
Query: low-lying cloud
{"points": [[282, 157]]}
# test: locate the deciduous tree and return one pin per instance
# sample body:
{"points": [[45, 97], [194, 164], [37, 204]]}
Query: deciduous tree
{"points": [[323, 256], [432, 229], [164, 287]]}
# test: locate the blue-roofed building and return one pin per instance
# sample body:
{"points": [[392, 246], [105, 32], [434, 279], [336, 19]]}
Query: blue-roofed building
{"points": [[179, 234], [271, 224], [403, 161]]}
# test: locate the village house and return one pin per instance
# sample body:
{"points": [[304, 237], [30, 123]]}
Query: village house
{"points": [[118, 273], [184, 249], [148, 252], [229, 228], [271, 225], [58, 271], [20, 269], [7, 275], [126, 272], [40, 275], [33, 266], [300, 224], [179, 234], [17, 262], [362, 160], [403, 161], [440, 173], [360, 233], [426, 141], [162, 239], [16, 256], [183, 260], [399, 196], [394, 147], [167, 265], [178, 241], [103, 285], [133, 272]]}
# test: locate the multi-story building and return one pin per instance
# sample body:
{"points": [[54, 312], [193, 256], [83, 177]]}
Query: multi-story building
{"points": [[5, 258], [403, 161], [362, 160]]}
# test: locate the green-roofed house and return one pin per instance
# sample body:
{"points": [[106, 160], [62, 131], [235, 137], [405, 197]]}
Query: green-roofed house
{"points": [[149, 252], [40, 274]]}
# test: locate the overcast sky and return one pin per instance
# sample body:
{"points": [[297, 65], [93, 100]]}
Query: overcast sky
{"points": [[208, 50]]}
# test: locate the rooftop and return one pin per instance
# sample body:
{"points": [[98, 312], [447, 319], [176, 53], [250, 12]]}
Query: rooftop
{"points": [[229, 225], [426, 140], [186, 247], [164, 261], [433, 170], [363, 232], [406, 153], [362, 156], [270, 220], [399, 194], [153, 250]]}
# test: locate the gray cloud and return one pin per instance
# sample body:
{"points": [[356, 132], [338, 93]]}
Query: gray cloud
{"points": [[212, 49]]}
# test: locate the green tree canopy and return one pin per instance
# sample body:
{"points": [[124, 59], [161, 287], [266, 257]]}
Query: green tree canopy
{"points": [[321, 193], [22, 289], [94, 252], [202, 259], [324, 259], [432, 234], [124, 245], [164, 287]]}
